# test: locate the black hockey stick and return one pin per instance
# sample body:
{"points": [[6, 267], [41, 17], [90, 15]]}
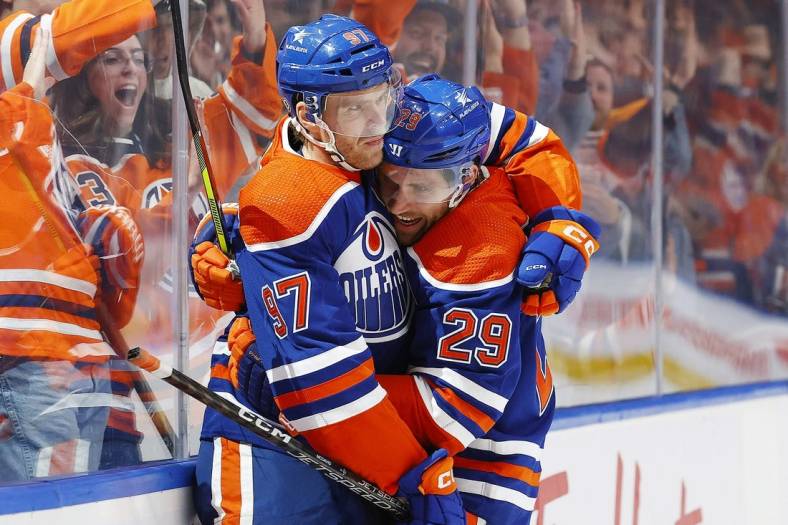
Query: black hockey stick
{"points": [[271, 432], [206, 172]]}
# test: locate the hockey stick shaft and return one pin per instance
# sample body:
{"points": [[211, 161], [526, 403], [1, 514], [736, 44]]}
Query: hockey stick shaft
{"points": [[270, 432], [155, 412], [204, 162]]}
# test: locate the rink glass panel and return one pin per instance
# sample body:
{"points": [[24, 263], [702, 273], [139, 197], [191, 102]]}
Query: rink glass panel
{"points": [[70, 403], [726, 322]]}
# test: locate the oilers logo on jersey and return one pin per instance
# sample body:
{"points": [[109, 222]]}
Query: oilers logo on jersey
{"points": [[372, 275], [155, 192]]}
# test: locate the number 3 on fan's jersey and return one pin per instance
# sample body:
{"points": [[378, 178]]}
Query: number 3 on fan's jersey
{"points": [[493, 331], [300, 286]]}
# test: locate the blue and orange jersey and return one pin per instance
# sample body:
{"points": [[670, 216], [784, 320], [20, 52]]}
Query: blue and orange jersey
{"points": [[327, 295], [541, 169], [79, 31], [48, 284], [478, 382]]}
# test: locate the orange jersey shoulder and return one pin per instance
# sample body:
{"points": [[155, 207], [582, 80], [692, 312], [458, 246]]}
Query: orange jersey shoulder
{"points": [[478, 241], [289, 193]]}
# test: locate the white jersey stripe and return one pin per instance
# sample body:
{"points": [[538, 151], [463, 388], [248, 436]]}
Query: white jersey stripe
{"points": [[507, 448], [221, 348], [454, 287], [53, 63], [442, 419], [538, 134], [216, 480], [496, 121], [47, 325], [496, 492], [16, 275], [246, 108], [247, 485], [6, 48], [244, 137], [316, 222], [316, 362], [462, 383], [335, 415], [82, 456]]}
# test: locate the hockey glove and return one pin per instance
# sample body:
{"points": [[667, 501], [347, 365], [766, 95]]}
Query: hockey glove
{"points": [[432, 492], [555, 258], [117, 242], [213, 277], [246, 369]]}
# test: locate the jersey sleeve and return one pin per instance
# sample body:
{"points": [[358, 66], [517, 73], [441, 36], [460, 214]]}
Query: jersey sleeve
{"points": [[80, 29], [320, 368], [384, 18], [240, 119], [465, 364], [250, 89], [520, 88], [541, 169]]}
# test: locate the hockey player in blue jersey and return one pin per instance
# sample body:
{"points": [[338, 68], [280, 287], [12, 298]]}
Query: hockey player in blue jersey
{"points": [[311, 237], [478, 382]]}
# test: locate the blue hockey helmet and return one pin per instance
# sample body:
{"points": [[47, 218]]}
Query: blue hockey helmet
{"points": [[440, 125], [333, 56]]}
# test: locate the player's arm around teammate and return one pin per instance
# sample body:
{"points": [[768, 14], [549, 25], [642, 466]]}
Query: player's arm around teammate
{"points": [[312, 234]]}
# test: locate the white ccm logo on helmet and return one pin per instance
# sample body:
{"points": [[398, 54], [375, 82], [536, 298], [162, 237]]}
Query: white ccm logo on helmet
{"points": [[373, 65], [581, 237]]}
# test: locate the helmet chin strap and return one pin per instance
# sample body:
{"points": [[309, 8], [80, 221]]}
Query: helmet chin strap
{"points": [[329, 147]]}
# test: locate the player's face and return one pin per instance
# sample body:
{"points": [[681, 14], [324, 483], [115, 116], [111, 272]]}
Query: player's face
{"points": [[422, 46], [219, 19], [600, 87], [358, 121], [410, 196], [117, 78]]}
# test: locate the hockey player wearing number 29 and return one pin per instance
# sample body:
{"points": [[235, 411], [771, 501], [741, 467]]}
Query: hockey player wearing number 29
{"points": [[317, 355]]}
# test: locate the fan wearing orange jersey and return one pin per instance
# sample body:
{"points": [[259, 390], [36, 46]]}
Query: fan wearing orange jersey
{"points": [[78, 30], [115, 135], [53, 360]]}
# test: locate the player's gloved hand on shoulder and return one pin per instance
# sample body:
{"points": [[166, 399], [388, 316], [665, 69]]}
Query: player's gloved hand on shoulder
{"points": [[212, 275], [432, 492], [117, 242], [555, 258], [247, 372]]}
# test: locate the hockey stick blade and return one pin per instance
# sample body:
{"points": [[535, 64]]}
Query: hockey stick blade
{"points": [[269, 431]]}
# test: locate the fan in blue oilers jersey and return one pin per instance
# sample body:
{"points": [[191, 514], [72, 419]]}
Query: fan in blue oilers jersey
{"points": [[313, 235]]}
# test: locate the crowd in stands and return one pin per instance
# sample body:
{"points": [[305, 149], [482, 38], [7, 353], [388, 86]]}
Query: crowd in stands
{"points": [[584, 69]]}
